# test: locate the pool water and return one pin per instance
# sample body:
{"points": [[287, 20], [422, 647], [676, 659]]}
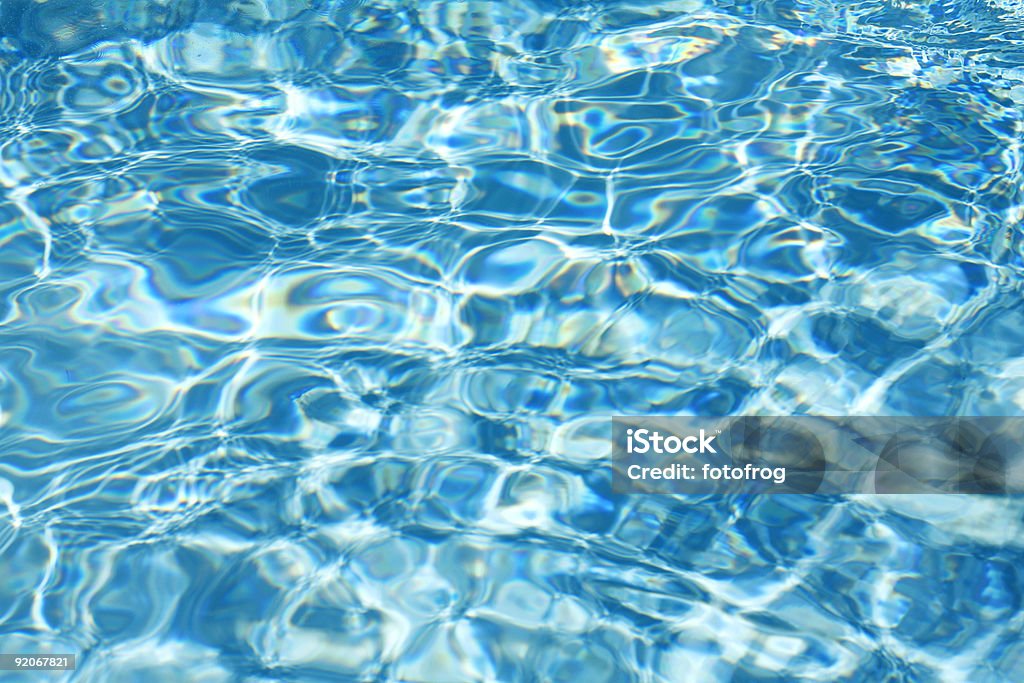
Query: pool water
{"points": [[315, 314]]}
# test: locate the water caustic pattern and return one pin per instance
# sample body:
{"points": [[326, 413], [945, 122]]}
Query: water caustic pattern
{"points": [[314, 314]]}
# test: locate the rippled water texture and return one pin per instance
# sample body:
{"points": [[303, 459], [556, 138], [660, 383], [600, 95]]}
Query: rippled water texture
{"points": [[314, 313]]}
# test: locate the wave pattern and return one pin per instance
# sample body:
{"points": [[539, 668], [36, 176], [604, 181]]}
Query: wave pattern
{"points": [[314, 313]]}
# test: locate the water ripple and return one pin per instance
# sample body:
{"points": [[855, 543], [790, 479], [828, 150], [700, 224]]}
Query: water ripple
{"points": [[314, 312]]}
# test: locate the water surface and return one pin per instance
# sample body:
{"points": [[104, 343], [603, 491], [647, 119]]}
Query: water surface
{"points": [[314, 314]]}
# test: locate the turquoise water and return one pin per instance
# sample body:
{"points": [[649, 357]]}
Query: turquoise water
{"points": [[315, 313]]}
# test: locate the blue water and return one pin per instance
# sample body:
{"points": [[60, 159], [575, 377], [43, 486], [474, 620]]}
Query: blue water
{"points": [[315, 312]]}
